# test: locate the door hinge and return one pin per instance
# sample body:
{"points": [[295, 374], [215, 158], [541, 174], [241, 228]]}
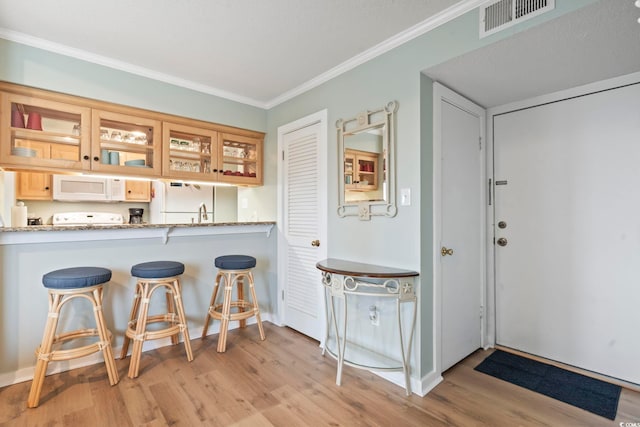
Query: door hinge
{"points": [[490, 191], [480, 143], [481, 311], [282, 296], [282, 154]]}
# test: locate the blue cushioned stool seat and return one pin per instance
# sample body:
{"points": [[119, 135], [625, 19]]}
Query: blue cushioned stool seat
{"points": [[76, 277], [157, 269], [235, 262]]}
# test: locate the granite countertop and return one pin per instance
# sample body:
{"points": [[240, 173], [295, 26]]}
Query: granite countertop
{"points": [[128, 226]]}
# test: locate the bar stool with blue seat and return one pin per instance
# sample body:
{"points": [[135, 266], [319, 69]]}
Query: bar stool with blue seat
{"points": [[151, 276], [233, 269], [64, 286]]}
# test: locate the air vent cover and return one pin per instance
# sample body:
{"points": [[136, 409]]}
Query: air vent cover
{"points": [[501, 14]]}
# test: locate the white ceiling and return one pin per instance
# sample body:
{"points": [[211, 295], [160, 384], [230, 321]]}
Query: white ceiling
{"points": [[597, 42], [253, 51], [262, 52]]}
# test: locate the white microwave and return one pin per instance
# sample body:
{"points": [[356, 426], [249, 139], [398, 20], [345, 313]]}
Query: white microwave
{"points": [[73, 188]]}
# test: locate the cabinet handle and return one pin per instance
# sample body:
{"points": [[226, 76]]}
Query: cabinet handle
{"points": [[46, 188], [215, 170], [96, 158], [85, 157]]}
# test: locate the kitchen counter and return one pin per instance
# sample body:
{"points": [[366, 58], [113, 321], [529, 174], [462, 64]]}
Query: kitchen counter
{"points": [[51, 233], [27, 253]]}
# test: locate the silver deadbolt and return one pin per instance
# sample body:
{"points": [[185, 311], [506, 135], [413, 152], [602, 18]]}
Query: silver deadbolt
{"points": [[502, 241], [502, 224]]}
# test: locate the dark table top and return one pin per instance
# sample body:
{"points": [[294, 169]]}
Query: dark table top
{"points": [[359, 269]]}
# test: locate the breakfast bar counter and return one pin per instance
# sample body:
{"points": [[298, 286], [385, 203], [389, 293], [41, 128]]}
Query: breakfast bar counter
{"points": [[27, 253], [57, 233]]}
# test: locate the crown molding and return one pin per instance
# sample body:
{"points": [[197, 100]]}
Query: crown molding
{"points": [[409, 34], [391, 43], [84, 55]]}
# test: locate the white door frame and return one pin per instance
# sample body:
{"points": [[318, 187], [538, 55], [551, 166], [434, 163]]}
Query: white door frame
{"points": [[440, 94], [321, 118]]}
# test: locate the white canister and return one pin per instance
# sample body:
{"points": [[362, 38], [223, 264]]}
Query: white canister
{"points": [[19, 215]]}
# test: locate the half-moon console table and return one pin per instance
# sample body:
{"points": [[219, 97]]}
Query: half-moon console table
{"points": [[346, 278]]}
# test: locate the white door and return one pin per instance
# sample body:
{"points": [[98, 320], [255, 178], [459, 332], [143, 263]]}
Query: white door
{"points": [[461, 216], [302, 241], [567, 191]]}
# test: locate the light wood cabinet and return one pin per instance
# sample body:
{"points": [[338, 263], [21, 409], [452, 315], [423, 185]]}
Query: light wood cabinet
{"points": [[189, 152], [360, 170], [125, 144], [35, 185], [63, 124], [201, 154], [90, 136], [137, 191], [240, 159]]}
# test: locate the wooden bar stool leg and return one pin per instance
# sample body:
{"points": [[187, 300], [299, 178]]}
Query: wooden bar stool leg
{"points": [[212, 303], [170, 295], [141, 327], [226, 312], [256, 308], [240, 285], [177, 294], [105, 339], [132, 318], [45, 350]]}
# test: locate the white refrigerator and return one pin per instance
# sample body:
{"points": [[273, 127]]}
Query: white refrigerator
{"points": [[184, 203]]}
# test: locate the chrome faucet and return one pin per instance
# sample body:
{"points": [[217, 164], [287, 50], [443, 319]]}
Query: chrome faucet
{"points": [[202, 213]]}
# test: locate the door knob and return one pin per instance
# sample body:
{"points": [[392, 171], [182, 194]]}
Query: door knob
{"points": [[315, 243], [502, 241], [444, 251]]}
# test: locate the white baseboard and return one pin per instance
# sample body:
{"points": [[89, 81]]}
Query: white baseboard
{"points": [[418, 386], [429, 382], [26, 374]]}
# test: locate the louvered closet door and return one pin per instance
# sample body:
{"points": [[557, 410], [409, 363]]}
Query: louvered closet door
{"points": [[302, 211]]}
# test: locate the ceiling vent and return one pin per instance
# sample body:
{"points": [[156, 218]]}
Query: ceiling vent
{"points": [[501, 14]]}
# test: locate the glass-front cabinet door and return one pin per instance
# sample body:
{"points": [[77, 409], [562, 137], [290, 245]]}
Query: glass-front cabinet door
{"points": [[44, 133], [125, 144], [240, 159], [189, 152]]}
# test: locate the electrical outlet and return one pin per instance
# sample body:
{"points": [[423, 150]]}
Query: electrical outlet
{"points": [[374, 316]]}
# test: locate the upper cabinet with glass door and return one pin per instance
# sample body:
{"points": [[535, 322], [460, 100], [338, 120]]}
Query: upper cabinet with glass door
{"points": [[240, 159], [125, 144], [189, 152], [42, 133]]}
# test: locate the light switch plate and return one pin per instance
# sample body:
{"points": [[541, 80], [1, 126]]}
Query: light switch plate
{"points": [[405, 197]]}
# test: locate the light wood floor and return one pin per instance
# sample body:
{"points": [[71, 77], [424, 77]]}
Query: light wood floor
{"points": [[283, 381]]}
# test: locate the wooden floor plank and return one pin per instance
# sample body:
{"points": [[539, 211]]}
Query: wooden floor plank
{"points": [[283, 381]]}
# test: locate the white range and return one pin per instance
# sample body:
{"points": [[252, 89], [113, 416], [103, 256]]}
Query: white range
{"points": [[87, 218]]}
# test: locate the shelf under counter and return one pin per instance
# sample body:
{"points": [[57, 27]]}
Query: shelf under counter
{"points": [[80, 233]]}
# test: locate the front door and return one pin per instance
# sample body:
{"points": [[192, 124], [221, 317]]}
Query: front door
{"points": [[567, 254], [460, 252], [302, 239]]}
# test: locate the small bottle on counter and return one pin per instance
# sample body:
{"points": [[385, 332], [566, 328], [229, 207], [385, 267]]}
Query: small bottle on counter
{"points": [[19, 215]]}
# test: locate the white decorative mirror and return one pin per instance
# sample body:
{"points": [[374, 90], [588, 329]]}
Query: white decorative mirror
{"points": [[366, 146]]}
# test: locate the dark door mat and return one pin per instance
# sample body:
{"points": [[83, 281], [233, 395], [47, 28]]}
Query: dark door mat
{"points": [[590, 394]]}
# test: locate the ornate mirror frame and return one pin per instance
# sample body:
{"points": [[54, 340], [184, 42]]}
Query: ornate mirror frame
{"points": [[384, 119]]}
